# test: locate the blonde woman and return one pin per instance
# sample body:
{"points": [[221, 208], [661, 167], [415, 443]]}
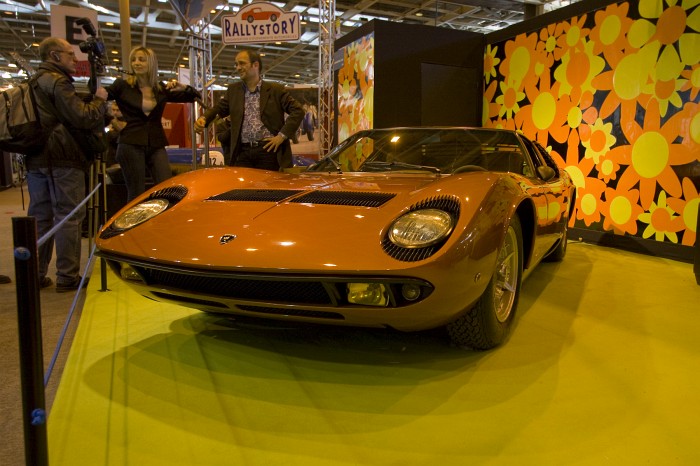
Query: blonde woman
{"points": [[141, 98]]}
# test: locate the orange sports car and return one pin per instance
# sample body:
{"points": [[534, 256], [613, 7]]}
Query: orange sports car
{"points": [[408, 228]]}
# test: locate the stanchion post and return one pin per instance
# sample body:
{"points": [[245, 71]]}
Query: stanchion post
{"points": [[30, 341]]}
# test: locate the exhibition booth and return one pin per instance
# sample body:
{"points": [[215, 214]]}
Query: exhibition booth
{"points": [[594, 373]]}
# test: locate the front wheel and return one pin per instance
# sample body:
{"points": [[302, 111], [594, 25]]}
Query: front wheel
{"points": [[487, 324]]}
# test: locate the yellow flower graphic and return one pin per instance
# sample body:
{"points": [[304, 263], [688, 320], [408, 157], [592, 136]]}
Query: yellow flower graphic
{"points": [[667, 82], [661, 221], [508, 100], [600, 140], [491, 61]]}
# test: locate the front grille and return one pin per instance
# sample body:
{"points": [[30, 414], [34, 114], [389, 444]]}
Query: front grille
{"points": [[293, 312], [303, 292], [213, 289]]}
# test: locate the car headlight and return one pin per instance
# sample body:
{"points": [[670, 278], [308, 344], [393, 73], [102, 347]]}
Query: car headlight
{"points": [[140, 213], [421, 228]]}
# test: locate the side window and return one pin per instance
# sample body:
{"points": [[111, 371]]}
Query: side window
{"points": [[529, 168], [547, 158]]}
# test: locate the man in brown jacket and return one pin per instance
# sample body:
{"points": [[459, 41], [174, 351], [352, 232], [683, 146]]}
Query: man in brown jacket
{"points": [[259, 132], [56, 173]]}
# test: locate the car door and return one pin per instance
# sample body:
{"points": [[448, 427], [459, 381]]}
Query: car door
{"points": [[550, 197]]}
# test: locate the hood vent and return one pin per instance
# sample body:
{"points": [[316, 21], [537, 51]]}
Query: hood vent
{"points": [[349, 198], [346, 198], [255, 195]]}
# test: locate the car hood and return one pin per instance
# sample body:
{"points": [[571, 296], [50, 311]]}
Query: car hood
{"points": [[256, 220]]}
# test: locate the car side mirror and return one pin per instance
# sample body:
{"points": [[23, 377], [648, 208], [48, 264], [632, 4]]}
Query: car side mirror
{"points": [[546, 173]]}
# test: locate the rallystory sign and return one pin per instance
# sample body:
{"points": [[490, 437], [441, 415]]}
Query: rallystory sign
{"points": [[259, 22]]}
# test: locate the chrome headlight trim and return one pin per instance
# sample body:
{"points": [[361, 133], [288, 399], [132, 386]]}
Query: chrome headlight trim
{"points": [[421, 228], [140, 213]]}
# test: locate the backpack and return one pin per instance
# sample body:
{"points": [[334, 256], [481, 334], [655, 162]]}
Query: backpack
{"points": [[20, 128]]}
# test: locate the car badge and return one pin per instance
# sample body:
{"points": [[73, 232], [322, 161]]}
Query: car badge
{"points": [[226, 239]]}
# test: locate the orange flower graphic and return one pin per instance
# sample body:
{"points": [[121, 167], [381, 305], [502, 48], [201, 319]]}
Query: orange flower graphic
{"points": [[687, 207], [548, 44], [518, 66], [545, 116], [609, 35], [670, 29], [570, 36], [577, 69], [588, 189]]}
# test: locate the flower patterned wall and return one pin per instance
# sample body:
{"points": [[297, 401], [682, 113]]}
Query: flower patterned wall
{"points": [[614, 96], [355, 105]]}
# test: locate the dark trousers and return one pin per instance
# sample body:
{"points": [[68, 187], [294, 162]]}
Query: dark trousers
{"points": [[257, 157], [135, 160]]}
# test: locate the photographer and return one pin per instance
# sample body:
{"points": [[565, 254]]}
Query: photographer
{"points": [[56, 173], [141, 99]]}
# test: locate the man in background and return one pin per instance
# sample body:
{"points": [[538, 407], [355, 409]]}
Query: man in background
{"points": [[259, 132]]}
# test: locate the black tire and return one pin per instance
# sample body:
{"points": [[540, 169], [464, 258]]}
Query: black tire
{"points": [[560, 251], [273, 18], [487, 324]]}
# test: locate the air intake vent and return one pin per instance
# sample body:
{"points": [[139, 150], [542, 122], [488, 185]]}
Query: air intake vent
{"points": [[349, 198], [255, 195], [173, 194]]}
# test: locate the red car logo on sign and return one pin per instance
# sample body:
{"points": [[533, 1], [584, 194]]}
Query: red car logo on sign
{"points": [[259, 14]]}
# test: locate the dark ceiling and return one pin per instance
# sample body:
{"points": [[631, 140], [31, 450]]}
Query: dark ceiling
{"points": [[24, 23]]}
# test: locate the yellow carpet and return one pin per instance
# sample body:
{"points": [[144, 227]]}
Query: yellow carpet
{"points": [[602, 368]]}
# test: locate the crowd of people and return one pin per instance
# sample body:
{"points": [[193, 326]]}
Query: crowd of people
{"points": [[256, 119]]}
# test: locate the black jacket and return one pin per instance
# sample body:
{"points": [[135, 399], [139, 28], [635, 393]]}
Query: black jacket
{"points": [[63, 111], [142, 129], [275, 102]]}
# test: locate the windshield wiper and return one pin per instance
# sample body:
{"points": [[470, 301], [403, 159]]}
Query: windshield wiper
{"points": [[335, 164], [390, 165], [318, 166]]}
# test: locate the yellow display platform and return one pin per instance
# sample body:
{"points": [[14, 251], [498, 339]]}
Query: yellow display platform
{"points": [[602, 368]]}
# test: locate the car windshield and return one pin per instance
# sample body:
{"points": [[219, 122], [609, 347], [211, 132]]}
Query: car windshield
{"points": [[431, 150]]}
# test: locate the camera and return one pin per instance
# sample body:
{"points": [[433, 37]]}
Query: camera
{"points": [[94, 46]]}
